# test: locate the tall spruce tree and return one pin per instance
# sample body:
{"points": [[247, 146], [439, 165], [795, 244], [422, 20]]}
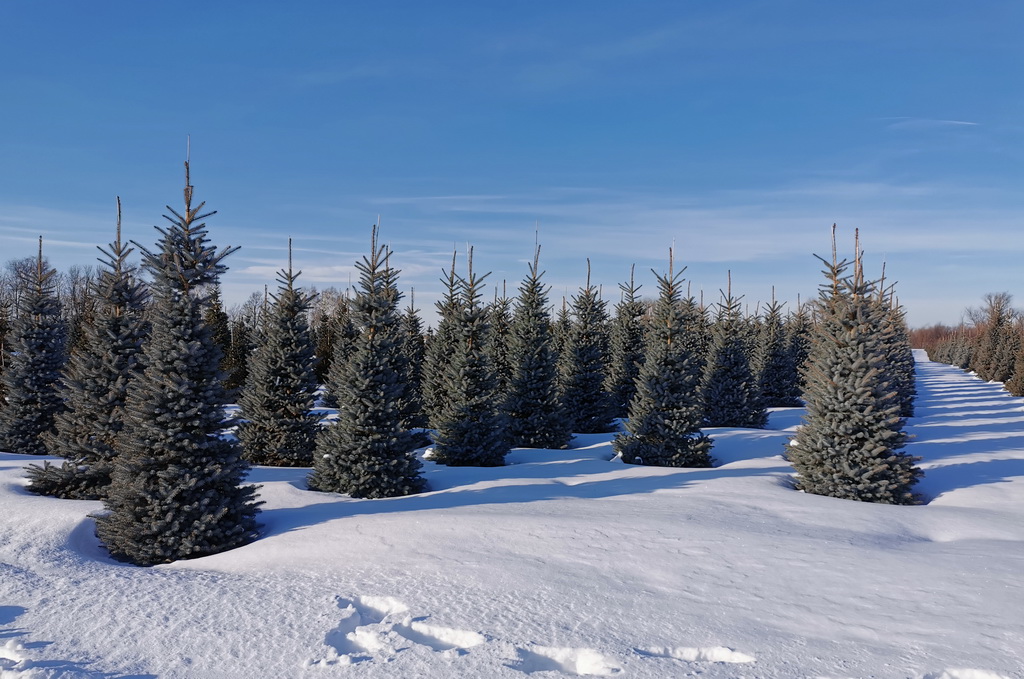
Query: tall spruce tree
{"points": [[849, 444], [278, 428], [176, 490], [96, 382], [583, 364], [536, 416], [730, 389], [471, 429], [38, 340], [665, 414], [368, 452]]}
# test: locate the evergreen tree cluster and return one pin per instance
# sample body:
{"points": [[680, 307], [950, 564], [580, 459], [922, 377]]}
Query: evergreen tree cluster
{"points": [[136, 403], [990, 342]]}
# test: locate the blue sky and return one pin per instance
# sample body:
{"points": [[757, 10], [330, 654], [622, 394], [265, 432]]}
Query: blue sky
{"points": [[737, 131]]}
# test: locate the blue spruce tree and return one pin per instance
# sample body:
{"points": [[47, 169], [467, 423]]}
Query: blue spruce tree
{"points": [[439, 348], [38, 340], [471, 429], [278, 428], [626, 352], [536, 416], [850, 441], [665, 414], [583, 364], [730, 389], [95, 384], [176, 489], [774, 360], [369, 452]]}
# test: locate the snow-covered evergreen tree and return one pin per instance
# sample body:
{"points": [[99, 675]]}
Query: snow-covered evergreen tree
{"points": [[471, 429], [626, 350], [850, 441], [731, 391], [38, 340], [95, 383], [536, 416], [583, 364], [277, 427], [176, 489], [665, 415], [368, 452]]}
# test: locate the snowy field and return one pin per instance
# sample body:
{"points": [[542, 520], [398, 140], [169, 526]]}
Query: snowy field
{"points": [[563, 563]]}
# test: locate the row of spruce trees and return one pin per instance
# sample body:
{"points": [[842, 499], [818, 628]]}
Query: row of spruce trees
{"points": [[138, 411], [990, 342]]}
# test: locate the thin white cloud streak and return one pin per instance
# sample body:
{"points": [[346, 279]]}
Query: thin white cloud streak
{"points": [[925, 124], [947, 245], [727, 226]]}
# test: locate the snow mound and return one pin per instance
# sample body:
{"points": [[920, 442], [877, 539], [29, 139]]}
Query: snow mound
{"points": [[581, 662], [965, 674]]}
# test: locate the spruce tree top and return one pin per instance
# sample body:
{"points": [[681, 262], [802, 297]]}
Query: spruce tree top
{"points": [[186, 261]]}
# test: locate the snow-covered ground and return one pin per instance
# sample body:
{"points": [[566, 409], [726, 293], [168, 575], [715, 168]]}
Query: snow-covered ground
{"points": [[563, 563]]}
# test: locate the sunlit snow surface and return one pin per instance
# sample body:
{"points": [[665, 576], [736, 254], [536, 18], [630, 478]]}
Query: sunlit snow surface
{"points": [[563, 563]]}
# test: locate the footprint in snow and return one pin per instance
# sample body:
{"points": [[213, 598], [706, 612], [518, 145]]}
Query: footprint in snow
{"points": [[379, 627], [13, 659]]}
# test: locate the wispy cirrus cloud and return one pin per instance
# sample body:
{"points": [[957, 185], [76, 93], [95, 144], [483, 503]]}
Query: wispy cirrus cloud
{"points": [[925, 124]]}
